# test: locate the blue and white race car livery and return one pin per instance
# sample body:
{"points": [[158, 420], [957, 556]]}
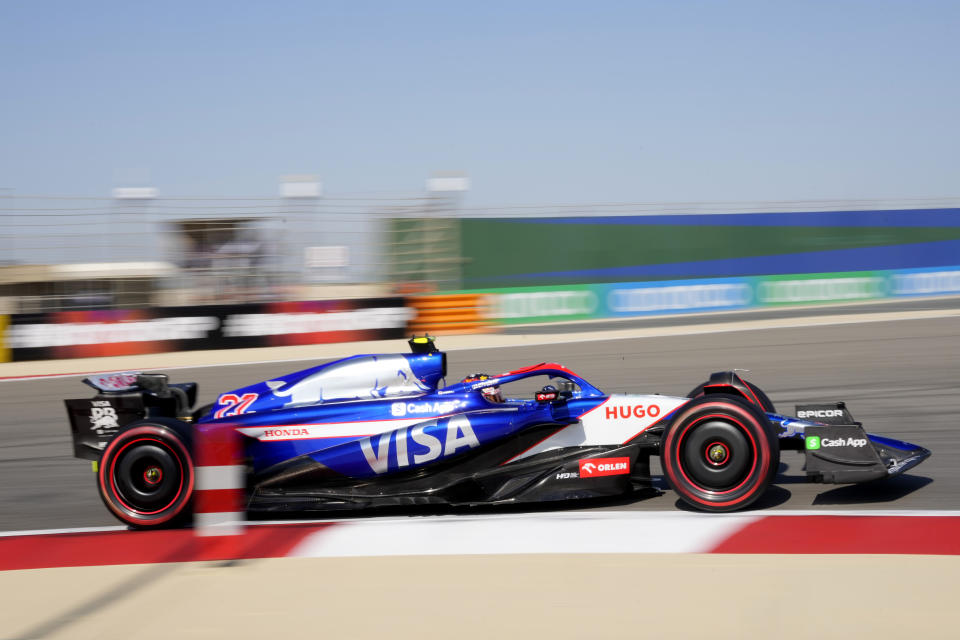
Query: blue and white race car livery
{"points": [[380, 430]]}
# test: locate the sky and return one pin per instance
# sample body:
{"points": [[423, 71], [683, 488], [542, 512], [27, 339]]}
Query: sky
{"points": [[537, 102]]}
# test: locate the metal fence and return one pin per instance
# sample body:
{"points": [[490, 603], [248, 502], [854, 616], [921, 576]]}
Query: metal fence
{"points": [[62, 253]]}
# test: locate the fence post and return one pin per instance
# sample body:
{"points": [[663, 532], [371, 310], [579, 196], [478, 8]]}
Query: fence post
{"points": [[220, 500]]}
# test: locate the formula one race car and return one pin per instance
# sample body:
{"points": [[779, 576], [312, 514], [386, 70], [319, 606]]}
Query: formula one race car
{"points": [[377, 430]]}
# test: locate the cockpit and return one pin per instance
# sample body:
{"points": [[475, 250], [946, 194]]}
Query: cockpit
{"points": [[556, 389]]}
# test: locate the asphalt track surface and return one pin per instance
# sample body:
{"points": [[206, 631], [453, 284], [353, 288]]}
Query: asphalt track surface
{"points": [[900, 378]]}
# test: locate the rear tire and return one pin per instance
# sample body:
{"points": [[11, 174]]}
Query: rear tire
{"points": [[719, 453], [146, 474]]}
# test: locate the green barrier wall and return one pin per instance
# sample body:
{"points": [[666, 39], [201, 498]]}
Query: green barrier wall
{"points": [[820, 288], [524, 305], [543, 251], [544, 304]]}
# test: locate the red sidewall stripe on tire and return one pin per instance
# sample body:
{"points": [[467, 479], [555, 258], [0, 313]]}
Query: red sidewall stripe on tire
{"points": [[113, 483], [106, 481], [699, 500], [753, 444]]}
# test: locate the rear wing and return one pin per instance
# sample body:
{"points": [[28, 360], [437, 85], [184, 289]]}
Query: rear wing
{"points": [[123, 398]]}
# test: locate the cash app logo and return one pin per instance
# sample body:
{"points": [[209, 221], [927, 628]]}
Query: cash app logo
{"points": [[813, 442]]}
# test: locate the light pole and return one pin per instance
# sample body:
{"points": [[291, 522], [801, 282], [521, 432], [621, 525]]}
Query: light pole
{"points": [[441, 236], [7, 194], [300, 194], [132, 207]]}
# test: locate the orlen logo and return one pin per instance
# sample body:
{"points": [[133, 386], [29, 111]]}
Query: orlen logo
{"points": [[596, 467], [636, 411]]}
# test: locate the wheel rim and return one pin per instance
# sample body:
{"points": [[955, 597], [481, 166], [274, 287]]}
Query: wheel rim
{"points": [[152, 475], [716, 455], [147, 476]]}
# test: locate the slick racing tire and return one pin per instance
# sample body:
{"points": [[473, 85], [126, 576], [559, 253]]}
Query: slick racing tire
{"points": [[719, 453], [146, 474]]}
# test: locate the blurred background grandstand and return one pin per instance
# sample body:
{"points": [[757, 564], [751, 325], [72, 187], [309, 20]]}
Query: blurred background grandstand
{"points": [[138, 248]]}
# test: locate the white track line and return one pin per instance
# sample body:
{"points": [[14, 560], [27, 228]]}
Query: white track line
{"points": [[566, 516], [570, 532], [50, 532], [653, 534]]}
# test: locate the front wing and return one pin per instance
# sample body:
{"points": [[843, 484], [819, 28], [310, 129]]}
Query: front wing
{"points": [[838, 450]]}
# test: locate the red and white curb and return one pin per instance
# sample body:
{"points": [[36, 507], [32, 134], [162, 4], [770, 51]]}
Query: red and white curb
{"points": [[601, 532], [642, 532], [863, 532], [218, 504]]}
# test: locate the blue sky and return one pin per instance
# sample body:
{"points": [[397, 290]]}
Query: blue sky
{"points": [[539, 102]]}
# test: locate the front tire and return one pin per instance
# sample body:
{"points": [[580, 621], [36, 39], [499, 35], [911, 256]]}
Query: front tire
{"points": [[719, 453], [146, 474]]}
